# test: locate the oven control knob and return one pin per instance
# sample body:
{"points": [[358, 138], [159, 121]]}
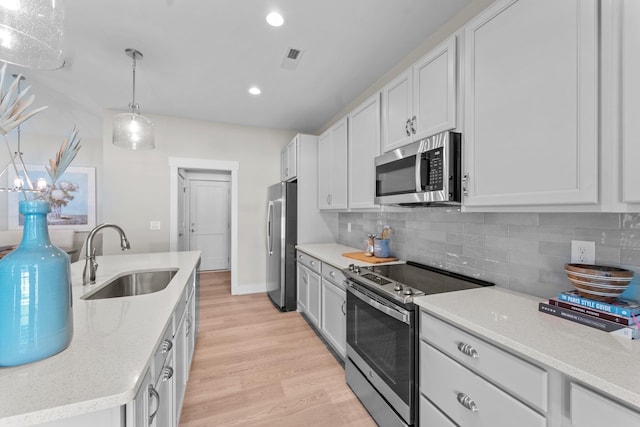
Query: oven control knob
{"points": [[397, 287], [351, 267], [407, 291], [356, 269]]}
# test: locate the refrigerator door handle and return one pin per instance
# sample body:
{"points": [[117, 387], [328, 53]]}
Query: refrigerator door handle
{"points": [[269, 222]]}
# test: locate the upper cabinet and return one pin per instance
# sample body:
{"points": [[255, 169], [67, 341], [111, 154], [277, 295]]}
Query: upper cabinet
{"points": [[364, 146], [421, 101], [531, 104], [332, 167], [289, 161]]}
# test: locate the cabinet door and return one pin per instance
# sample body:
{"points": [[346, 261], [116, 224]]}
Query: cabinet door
{"points": [[284, 164], [292, 158], [364, 146], [181, 361], [434, 90], [339, 139], [313, 302], [324, 170], [332, 167], [334, 316], [303, 287], [164, 412], [630, 63], [531, 93], [397, 112]]}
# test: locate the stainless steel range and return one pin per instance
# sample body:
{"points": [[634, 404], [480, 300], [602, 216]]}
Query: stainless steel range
{"points": [[382, 334]]}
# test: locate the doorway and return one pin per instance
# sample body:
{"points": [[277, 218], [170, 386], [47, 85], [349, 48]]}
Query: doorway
{"points": [[180, 172]]}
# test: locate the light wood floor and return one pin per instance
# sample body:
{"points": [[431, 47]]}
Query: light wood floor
{"points": [[255, 366]]}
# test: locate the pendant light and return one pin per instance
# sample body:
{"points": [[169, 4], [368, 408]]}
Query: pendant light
{"points": [[32, 33], [132, 130]]}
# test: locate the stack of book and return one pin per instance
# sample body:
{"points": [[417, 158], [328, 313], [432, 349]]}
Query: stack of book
{"points": [[618, 317]]}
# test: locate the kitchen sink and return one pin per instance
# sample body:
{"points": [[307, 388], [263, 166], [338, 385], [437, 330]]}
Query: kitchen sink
{"points": [[136, 283]]}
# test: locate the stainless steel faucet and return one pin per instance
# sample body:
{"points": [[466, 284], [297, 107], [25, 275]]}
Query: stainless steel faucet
{"points": [[90, 264]]}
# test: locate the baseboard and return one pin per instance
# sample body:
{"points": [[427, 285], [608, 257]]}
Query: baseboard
{"points": [[251, 288]]}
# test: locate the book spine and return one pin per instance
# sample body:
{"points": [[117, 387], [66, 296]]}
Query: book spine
{"points": [[563, 313], [597, 305], [593, 313]]}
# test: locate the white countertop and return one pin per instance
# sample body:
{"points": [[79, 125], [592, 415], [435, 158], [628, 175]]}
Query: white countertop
{"points": [[331, 253], [512, 320], [112, 344]]}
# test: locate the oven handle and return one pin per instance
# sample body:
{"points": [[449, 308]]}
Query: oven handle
{"points": [[398, 315]]}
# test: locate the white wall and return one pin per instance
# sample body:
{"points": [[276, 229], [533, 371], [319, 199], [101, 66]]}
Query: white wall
{"points": [[136, 184]]}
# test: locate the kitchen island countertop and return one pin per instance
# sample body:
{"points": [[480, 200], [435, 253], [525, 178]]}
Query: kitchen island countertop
{"points": [[331, 253], [512, 321], [112, 345]]}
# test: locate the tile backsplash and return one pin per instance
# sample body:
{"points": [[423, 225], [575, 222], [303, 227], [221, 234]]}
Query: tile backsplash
{"points": [[525, 252]]}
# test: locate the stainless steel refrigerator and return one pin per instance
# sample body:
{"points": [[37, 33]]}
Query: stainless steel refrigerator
{"points": [[282, 224]]}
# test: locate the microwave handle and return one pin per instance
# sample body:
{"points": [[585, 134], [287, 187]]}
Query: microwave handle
{"points": [[418, 174]]}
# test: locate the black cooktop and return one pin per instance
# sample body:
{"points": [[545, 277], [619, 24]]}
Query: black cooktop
{"points": [[404, 281]]}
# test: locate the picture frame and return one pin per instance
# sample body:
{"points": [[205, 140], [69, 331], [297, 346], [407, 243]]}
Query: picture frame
{"points": [[73, 205]]}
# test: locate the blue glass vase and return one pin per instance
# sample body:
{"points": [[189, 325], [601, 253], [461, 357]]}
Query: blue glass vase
{"points": [[36, 318]]}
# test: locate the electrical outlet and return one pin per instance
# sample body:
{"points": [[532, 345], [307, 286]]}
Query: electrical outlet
{"points": [[348, 227], [583, 252], [154, 225]]}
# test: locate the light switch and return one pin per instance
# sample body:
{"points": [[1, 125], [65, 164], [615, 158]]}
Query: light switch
{"points": [[154, 225]]}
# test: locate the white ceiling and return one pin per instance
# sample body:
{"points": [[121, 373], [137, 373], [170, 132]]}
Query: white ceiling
{"points": [[201, 56]]}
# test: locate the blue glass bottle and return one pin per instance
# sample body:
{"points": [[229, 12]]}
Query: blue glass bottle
{"points": [[36, 318]]}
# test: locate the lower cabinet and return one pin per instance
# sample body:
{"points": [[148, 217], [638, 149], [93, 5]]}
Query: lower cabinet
{"points": [[334, 315], [466, 381], [322, 298]]}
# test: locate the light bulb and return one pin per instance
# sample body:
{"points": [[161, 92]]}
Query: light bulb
{"points": [[275, 19]]}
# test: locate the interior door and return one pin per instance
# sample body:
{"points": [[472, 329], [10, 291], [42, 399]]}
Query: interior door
{"points": [[209, 222], [182, 212]]}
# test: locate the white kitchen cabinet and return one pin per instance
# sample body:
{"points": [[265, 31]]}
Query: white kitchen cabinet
{"points": [[332, 167], [162, 413], [308, 276], [475, 383], [590, 409], [397, 109], [421, 101], [364, 146], [531, 104], [334, 308], [289, 161]]}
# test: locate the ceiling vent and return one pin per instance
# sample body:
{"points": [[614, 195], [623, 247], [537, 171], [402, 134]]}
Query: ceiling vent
{"points": [[291, 59]]}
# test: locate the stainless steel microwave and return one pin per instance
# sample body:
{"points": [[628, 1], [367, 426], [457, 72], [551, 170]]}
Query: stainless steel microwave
{"points": [[426, 172]]}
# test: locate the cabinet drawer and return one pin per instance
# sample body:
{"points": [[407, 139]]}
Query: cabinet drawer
{"points": [[312, 263], [430, 416], [589, 409], [333, 274], [447, 383], [506, 370], [163, 349]]}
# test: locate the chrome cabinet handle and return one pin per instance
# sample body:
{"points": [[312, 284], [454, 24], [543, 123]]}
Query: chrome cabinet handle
{"points": [[467, 402], [342, 307], [153, 393], [332, 273], [465, 181], [300, 257], [167, 373], [312, 263], [468, 350], [406, 127], [413, 125], [167, 345]]}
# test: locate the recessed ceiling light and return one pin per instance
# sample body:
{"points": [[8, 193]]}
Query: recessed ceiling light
{"points": [[275, 19], [254, 90]]}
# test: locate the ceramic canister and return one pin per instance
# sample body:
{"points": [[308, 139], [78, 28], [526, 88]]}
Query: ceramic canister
{"points": [[36, 319]]}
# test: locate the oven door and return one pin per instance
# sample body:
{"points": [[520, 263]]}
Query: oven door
{"points": [[381, 343]]}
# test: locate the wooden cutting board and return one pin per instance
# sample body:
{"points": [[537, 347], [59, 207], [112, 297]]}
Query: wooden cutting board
{"points": [[360, 256]]}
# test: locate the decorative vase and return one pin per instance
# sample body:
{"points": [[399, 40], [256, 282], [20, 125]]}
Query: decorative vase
{"points": [[36, 318]]}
